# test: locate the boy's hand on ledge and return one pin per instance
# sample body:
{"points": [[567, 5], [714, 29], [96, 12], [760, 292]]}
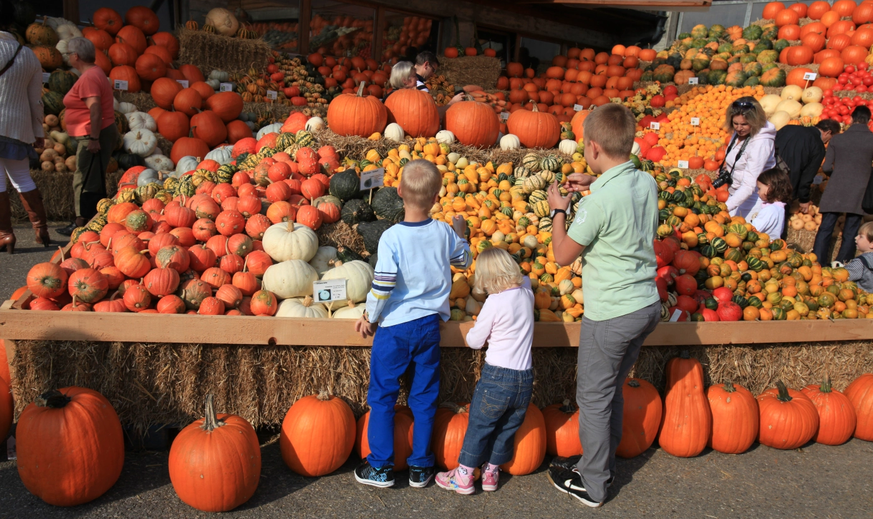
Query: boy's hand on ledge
{"points": [[365, 327]]}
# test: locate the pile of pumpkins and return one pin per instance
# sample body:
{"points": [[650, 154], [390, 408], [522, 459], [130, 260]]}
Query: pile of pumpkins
{"points": [[794, 105]]}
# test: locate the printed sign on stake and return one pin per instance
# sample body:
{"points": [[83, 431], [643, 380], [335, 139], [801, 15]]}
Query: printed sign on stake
{"points": [[372, 179], [329, 290], [225, 87], [120, 84]]}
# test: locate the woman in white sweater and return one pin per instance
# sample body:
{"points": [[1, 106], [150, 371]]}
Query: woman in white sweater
{"points": [[21, 117]]}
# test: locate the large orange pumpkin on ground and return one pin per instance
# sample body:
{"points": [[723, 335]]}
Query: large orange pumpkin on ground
{"points": [[317, 435], [860, 393], [734, 418], [687, 420], [837, 419], [403, 423], [641, 417], [449, 429], [788, 418], [562, 430], [530, 444]]}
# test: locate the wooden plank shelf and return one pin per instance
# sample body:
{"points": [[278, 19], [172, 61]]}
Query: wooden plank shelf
{"points": [[16, 324]]}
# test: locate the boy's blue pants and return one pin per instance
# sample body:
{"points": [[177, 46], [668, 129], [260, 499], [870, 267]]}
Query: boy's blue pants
{"points": [[395, 348]]}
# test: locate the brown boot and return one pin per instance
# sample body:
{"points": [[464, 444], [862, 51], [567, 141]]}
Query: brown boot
{"points": [[7, 237], [32, 201]]}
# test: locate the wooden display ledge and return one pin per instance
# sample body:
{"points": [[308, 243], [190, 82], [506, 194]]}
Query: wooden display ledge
{"points": [[18, 324]]}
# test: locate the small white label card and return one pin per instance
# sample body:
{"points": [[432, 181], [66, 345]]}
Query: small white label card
{"points": [[330, 290], [504, 116], [272, 95], [693, 81], [695, 121], [45, 77], [683, 164], [183, 82], [578, 108], [673, 318], [654, 126], [120, 84], [372, 179], [810, 76], [225, 87]]}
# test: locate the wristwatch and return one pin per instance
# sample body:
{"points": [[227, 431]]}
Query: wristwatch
{"points": [[556, 211]]}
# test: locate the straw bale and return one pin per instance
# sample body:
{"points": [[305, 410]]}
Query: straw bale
{"points": [[338, 233], [57, 194], [214, 51], [142, 100], [151, 384], [471, 70]]}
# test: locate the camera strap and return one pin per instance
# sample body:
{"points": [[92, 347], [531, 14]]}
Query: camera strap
{"points": [[739, 154]]}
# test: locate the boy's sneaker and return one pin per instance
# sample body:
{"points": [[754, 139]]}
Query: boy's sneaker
{"points": [[490, 480], [570, 482], [451, 481], [378, 477], [570, 462], [837, 265], [419, 477]]}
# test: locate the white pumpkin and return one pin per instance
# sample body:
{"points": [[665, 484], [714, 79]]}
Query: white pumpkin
{"points": [[473, 307], [214, 84], [292, 278], [453, 157], [223, 20], [186, 164], [780, 119], [221, 154], [62, 48], [270, 128], [140, 121], [634, 151], [509, 142], [352, 311], [126, 108], [315, 124], [140, 142], [146, 177], [812, 94], [568, 146], [360, 278], [323, 259], [769, 103], [792, 93], [219, 75], [301, 308], [789, 106], [445, 137], [290, 241], [159, 162], [394, 132]]}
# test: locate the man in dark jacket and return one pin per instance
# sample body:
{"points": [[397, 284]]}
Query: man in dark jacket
{"points": [[847, 161], [803, 149]]}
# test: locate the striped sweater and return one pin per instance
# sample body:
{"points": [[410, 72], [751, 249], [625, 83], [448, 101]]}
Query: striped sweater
{"points": [[413, 275], [21, 111], [861, 271]]}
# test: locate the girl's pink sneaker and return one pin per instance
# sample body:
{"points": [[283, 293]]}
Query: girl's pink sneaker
{"points": [[452, 480], [489, 480]]}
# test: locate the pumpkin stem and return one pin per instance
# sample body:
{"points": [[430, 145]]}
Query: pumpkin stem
{"points": [[323, 395], [361, 89], [633, 383], [210, 421], [534, 106], [457, 409], [826, 384], [729, 387], [61, 250], [53, 399], [783, 392], [290, 226], [307, 301], [566, 407]]}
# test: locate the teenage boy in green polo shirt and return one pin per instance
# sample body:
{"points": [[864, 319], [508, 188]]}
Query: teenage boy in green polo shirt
{"points": [[613, 230]]}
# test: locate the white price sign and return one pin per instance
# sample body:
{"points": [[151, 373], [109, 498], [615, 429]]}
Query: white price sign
{"points": [[372, 179], [120, 84], [654, 126], [272, 95], [45, 77], [578, 108], [810, 76], [183, 82], [329, 291], [693, 81], [695, 121], [683, 164], [225, 87], [676, 315], [504, 116]]}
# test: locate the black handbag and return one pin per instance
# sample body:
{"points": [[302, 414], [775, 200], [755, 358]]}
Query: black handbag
{"points": [[867, 201]]}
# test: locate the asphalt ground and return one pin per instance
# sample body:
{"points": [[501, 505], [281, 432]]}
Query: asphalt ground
{"points": [[13, 269]]}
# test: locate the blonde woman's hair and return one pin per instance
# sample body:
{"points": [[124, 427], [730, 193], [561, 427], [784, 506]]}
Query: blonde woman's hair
{"points": [[400, 73], [866, 230], [420, 182], [496, 271], [751, 109], [613, 127]]}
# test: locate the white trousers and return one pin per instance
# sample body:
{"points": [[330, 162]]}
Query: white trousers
{"points": [[19, 174]]}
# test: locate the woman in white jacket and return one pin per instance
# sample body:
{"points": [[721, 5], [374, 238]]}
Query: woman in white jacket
{"points": [[750, 151]]}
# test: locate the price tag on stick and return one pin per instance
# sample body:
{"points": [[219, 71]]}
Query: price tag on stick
{"points": [[695, 121], [120, 84], [225, 87], [272, 95], [578, 108], [504, 116], [45, 77], [654, 126], [183, 82], [372, 179], [810, 76], [329, 290], [676, 315], [683, 164], [693, 81]]}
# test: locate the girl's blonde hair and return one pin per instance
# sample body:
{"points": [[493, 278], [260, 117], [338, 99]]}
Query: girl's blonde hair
{"points": [[751, 109], [400, 73], [496, 271]]}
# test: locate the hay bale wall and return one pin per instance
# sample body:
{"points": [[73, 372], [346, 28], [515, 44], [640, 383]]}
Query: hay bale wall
{"points": [[213, 51], [57, 195], [471, 70], [166, 383]]}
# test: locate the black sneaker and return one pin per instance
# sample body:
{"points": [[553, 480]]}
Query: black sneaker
{"points": [[378, 477], [570, 462], [419, 477], [68, 230], [570, 482]]}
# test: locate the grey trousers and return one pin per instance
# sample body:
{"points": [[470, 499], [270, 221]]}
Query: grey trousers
{"points": [[607, 352]]}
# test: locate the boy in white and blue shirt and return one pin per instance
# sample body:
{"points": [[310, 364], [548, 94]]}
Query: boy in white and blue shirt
{"points": [[408, 299]]}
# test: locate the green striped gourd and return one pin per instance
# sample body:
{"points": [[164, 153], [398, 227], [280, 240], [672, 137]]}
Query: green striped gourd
{"points": [[538, 196], [550, 163], [225, 173], [304, 138], [104, 205], [533, 183], [541, 208], [531, 162], [284, 140], [521, 172]]}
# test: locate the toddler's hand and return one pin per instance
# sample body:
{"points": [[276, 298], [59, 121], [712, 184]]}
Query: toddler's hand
{"points": [[365, 327], [460, 226]]}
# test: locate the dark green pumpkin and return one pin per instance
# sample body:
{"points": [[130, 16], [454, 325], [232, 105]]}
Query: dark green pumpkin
{"points": [[388, 205], [53, 102], [346, 254], [61, 81], [372, 232], [356, 211], [128, 160], [345, 185]]}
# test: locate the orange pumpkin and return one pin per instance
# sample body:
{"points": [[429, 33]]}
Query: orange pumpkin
{"points": [[529, 448], [686, 423], [317, 435], [354, 114]]}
